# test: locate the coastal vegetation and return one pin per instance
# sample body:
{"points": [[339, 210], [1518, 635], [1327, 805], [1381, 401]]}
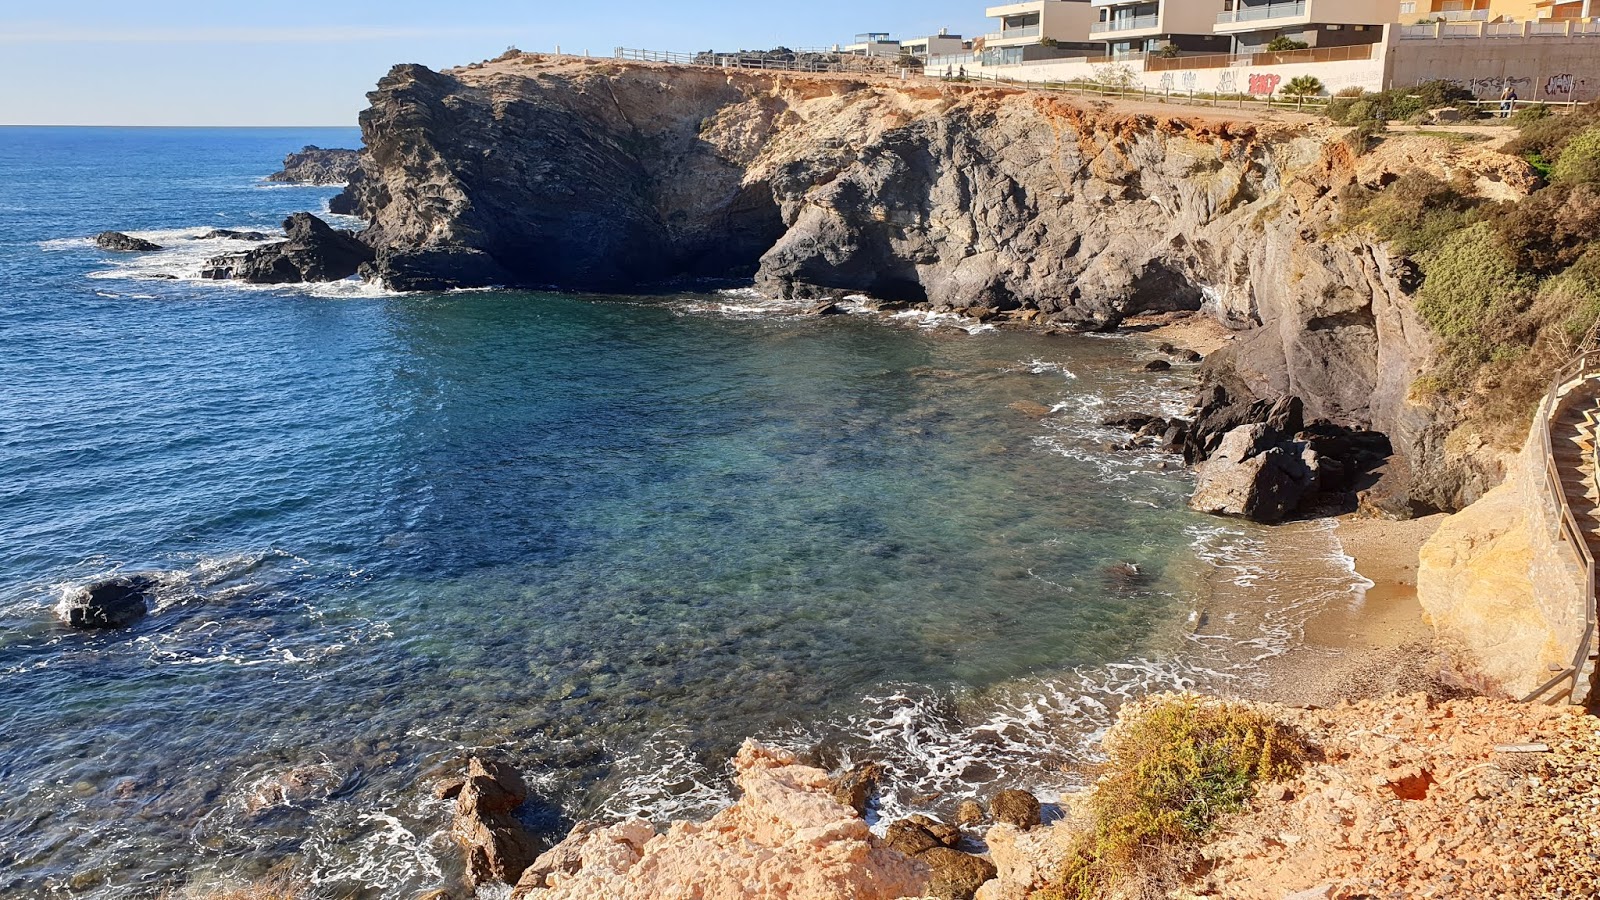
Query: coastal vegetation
{"points": [[1511, 287], [1175, 766]]}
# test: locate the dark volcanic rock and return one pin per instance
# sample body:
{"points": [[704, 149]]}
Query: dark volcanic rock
{"points": [[116, 240], [348, 201], [112, 603], [498, 847], [315, 165], [314, 252], [1256, 475], [231, 235]]}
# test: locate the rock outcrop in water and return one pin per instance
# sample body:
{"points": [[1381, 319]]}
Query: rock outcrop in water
{"points": [[315, 251], [601, 175], [109, 604], [498, 847], [316, 165], [121, 243]]}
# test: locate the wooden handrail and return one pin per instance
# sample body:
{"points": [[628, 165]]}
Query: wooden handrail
{"points": [[1567, 524]]}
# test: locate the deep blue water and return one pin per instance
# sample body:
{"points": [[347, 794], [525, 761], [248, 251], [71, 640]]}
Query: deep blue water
{"points": [[608, 537]]}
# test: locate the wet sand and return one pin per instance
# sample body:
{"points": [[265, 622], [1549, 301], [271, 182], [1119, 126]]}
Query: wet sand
{"points": [[1375, 644]]}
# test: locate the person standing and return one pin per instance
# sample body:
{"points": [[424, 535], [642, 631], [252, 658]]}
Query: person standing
{"points": [[1508, 102]]}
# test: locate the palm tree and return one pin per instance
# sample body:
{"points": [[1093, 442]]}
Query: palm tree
{"points": [[1302, 86]]}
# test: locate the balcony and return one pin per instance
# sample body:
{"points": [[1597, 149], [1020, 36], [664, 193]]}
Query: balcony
{"points": [[1127, 25], [1267, 15], [1023, 32], [1461, 15]]}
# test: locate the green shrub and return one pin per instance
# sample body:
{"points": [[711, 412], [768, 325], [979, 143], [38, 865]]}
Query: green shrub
{"points": [[1550, 229], [1416, 212], [1549, 135], [1174, 767], [1579, 160], [1283, 44], [1530, 114], [1472, 296], [1302, 86], [1420, 118]]}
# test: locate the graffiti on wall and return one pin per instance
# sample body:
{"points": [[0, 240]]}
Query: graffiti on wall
{"points": [[1264, 85], [1190, 81], [1227, 82], [1559, 85]]}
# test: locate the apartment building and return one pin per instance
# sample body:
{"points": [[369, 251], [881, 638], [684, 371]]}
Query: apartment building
{"points": [[1130, 28], [872, 43], [1253, 24], [1567, 9], [942, 44], [1036, 30]]}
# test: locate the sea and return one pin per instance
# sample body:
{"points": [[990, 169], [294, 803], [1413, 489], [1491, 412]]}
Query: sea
{"points": [[605, 538]]}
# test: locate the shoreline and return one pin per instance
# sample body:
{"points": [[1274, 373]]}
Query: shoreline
{"points": [[1377, 643]]}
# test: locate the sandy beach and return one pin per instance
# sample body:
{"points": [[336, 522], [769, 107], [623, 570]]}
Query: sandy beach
{"points": [[1376, 645]]}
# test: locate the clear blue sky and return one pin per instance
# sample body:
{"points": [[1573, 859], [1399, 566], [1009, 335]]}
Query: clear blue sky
{"points": [[294, 62]]}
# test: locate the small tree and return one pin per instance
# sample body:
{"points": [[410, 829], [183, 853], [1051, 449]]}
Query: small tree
{"points": [[1282, 44], [1169, 51], [1302, 86], [1049, 42]]}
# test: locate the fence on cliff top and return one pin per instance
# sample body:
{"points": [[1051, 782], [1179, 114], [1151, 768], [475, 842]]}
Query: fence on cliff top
{"points": [[801, 61], [1584, 368]]}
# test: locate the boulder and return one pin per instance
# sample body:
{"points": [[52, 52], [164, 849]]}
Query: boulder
{"points": [[970, 812], [1018, 808], [1031, 409], [316, 165], [295, 787], [121, 243], [1254, 475], [956, 875], [315, 251], [854, 787], [910, 838], [498, 847], [1157, 365], [1220, 413], [826, 308], [111, 603]]}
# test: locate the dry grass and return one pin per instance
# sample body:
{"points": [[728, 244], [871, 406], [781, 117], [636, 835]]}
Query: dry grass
{"points": [[1176, 764]]}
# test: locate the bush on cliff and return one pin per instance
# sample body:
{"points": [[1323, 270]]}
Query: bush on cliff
{"points": [[1579, 160], [1175, 765], [1414, 213]]}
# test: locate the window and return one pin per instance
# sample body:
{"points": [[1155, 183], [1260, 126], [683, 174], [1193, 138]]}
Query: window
{"points": [[1408, 7]]}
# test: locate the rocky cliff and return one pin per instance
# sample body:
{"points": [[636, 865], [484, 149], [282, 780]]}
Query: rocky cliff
{"points": [[605, 176]]}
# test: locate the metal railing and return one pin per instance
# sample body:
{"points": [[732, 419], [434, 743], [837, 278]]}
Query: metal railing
{"points": [[1131, 23], [1156, 63], [1430, 31], [800, 62], [1259, 13], [1023, 31], [1584, 367]]}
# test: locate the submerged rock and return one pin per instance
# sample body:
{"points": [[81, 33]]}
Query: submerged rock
{"points": [[315, 165], [231, 235], [109, 604], [315, 251], [498, 847], [122, 243]]}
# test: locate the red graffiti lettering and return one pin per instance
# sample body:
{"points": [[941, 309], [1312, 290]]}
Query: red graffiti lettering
{"points": [[1264, 85]]}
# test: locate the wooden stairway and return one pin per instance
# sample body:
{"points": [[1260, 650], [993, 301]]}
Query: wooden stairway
{"points": [[1573, 434]]}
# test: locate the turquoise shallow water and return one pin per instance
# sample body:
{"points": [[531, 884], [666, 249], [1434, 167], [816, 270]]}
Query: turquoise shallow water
{"points": [[608, 537]]}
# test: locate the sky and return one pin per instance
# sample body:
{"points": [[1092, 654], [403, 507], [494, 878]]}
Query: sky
{"points": [[296, 62]]}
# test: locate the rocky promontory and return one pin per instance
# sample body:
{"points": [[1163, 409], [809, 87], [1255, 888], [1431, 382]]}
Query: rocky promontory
{"points": [[598, 175], [318, 166]]}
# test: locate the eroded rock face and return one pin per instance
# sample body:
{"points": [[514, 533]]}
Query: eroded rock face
{"points": [[316, 165], [110, 604], [614, 176], [122, 243], [497, 846], [787, 837], [314, 251]]}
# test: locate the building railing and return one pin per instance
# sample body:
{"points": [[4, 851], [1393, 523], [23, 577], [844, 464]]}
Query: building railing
{"points": [[1462, 15], [1259, 13], [830, 61], [1584, 367], [1431, 31], [1265, 58], [1008, 34], [1132, 23]]}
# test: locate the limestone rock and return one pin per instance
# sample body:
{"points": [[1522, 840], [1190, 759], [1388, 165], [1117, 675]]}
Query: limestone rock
{"points": [[121, 243], [314, 252], [786, 839], [109, 604], [498, 847], [969, 813], [956, 875], [1017, 808]]}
